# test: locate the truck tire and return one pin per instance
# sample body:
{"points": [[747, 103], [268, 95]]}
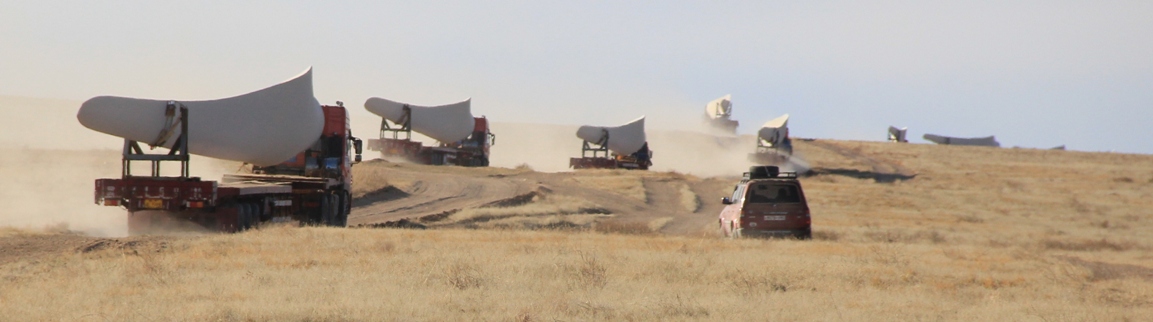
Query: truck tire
{"points": [[253, 215], [334, 220], [332, 209], [242, 217], [325, 210], [345, 208], [806, 234], [253, 219]]}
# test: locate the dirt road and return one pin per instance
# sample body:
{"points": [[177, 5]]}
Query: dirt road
{"points": [[676, 205], [420, 190]]}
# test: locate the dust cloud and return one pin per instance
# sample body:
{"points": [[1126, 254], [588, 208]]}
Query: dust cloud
{"points": [[677, 135], [54, 188], [541, 146], [49, 162], [549, 147]]}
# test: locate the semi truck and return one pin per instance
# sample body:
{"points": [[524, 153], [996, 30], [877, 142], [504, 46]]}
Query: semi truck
{"points": [[462, 140], [594, 156], [614, 147], [718, 115], [774, 147], [396, 142], [311, 188]]}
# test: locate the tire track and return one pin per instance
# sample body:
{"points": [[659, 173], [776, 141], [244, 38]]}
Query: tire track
{"points": [[432, 193]]}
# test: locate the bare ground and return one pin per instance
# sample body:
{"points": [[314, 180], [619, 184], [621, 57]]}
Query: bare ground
{"points": [[424, 192], [16, 246], [420, 190]]}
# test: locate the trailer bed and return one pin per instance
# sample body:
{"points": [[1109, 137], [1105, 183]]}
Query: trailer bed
{"points": [[244, 188], [258, 184]]}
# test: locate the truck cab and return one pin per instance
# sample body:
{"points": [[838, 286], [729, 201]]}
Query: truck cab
{"points": [[473, 151], [766, 203], [330, 157]]}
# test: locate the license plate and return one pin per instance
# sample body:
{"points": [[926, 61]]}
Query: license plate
{"points": [[774, 218], [153, 203]]}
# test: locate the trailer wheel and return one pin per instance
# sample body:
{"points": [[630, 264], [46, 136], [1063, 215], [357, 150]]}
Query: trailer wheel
{"points": [[253, 215], [245, 216], [241, 218]]}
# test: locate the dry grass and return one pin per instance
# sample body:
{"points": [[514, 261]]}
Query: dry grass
{"points": [[622, 182], [689, 200], [624, 227], [985, 196], [288, 273], [979, 234], [660, 223]]}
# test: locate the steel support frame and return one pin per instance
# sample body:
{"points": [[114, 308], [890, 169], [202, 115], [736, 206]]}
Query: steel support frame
{"points": [[178, 152], [405, 126]]}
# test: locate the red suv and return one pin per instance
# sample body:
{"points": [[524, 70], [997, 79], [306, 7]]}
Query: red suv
{"points": [[767, 202]]}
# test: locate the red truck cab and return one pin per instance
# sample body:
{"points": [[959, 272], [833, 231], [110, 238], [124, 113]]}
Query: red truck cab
{"points": [[766, 203], [328, 157]]}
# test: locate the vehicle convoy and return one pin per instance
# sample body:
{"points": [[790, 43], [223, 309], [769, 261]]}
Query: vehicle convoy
{"points": [[311, 187], [620, 147], [773, 144], [463, 140], [766, 203]]}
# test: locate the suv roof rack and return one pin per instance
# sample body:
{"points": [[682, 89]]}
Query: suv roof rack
{"points": [[767, 172]]}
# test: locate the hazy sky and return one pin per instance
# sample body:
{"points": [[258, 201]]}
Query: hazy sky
{"points": [[1034, 73]]}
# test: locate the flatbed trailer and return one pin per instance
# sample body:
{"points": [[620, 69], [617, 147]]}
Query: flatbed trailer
{"points": [[772, 154], [598, 156], [312, 188], [396, 142]]}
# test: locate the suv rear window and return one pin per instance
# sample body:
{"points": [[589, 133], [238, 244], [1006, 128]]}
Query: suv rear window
{"points": [[773, 193]]}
